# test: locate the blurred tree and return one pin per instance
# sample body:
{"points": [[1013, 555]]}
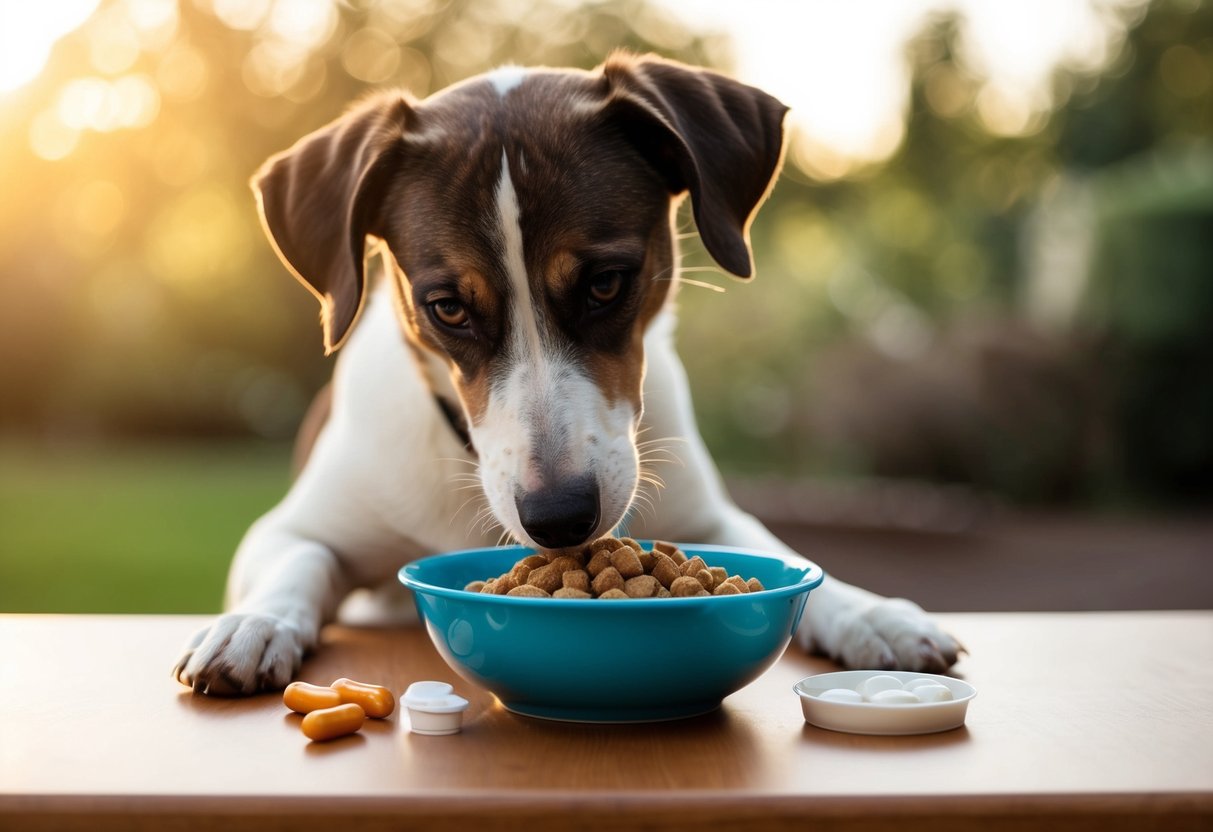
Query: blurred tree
{"points": [[888, 261], [139, 291], [1141, 141], [903, 336]]}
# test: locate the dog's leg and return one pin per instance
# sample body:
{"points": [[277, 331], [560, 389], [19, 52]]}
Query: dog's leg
{"points": [[281, 589], [372, 484], [851, 625], [854, 627]]}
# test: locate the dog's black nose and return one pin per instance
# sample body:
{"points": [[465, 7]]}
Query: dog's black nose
{"points": [[560, 515]]}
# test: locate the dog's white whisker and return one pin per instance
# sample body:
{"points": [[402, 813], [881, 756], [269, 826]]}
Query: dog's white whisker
{"points": [[461, 460], [647, 469], [674, 275], [644, 507], [655, 446], [685, 222], [487, 522], [657, 452], [459, 511], [658, 484], [649, 462], [663, 453], [688, 282], [641, 499], [658, 439], [645, 502], [664, 441], [661, 274], [471, 499]]}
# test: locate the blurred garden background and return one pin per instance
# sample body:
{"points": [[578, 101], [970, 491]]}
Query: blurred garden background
{"points": [[979, 343]]}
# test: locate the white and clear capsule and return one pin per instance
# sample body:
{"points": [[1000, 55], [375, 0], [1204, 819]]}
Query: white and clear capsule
{"points": [[840, 695], [894, 697], [873, 685], [933, 693]]}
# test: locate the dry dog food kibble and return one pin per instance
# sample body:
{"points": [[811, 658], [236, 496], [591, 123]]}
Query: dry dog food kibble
{"points": [[641, 586], [607, 580], [666, 570], [627, 562], [528, 591], [616, 568], [577, 579]]}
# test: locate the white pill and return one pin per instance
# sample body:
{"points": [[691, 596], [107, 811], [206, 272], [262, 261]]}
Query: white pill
{"points": [[915, 684], [840, 695], [875, 684], [933, 693], [894, 697]]}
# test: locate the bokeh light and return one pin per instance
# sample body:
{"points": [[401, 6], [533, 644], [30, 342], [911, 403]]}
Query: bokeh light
{"points": [[27, 33], [952, 164]]}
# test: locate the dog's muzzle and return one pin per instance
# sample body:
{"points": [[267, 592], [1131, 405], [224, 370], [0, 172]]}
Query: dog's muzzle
{"points": [[561, 514]]}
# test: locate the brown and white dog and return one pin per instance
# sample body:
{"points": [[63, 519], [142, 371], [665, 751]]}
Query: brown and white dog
{"points": [[523, 338]]}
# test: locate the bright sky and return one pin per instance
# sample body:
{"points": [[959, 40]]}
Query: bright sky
{"points": [[28, 30], [839, 64]]}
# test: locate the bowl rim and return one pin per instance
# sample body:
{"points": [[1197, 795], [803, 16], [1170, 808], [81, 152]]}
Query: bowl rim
{"points": [[812, 578]]}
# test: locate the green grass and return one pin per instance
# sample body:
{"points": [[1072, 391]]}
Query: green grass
{"points": [[130, 528]]}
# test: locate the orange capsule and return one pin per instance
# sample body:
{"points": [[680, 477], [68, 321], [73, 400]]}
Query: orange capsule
{"points": [[331, 723], [376, 701], [303, 698]]}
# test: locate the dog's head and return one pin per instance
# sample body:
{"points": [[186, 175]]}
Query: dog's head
{"points": [[529, 214]]}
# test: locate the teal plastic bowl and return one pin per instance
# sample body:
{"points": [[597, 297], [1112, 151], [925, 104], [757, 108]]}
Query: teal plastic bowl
{"points": [[638, 660]]}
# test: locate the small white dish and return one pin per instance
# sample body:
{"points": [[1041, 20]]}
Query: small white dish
{"points": [[878, 719], [434, 708]]}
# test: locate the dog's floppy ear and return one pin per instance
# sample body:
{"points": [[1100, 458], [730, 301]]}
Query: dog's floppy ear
{"points": [[321, 198], [718, 138]]}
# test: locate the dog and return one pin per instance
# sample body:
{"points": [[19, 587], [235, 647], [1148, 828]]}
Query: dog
{"points": [[520, 342]]}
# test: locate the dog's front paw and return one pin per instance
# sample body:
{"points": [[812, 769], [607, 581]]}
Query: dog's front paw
{"points": [[240, 654], [894, 634]]}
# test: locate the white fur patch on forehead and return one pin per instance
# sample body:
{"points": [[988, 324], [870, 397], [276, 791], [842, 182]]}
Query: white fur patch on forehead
{"points": [[522, 308], [506, 78]]}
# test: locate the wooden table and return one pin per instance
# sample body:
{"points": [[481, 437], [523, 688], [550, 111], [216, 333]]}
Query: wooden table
{"points": [[1082, 721]]}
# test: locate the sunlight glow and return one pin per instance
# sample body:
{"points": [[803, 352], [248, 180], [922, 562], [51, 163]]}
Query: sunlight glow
{"points": [[101, 105], [842, 66], [306, 23], [29, 30], [50, 138]]}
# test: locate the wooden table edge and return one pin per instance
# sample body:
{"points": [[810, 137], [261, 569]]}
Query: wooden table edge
{"points": [[534, 812]]}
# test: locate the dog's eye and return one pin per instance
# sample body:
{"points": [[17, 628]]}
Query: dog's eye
{"points": [[605, 287], [450, 312]]}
